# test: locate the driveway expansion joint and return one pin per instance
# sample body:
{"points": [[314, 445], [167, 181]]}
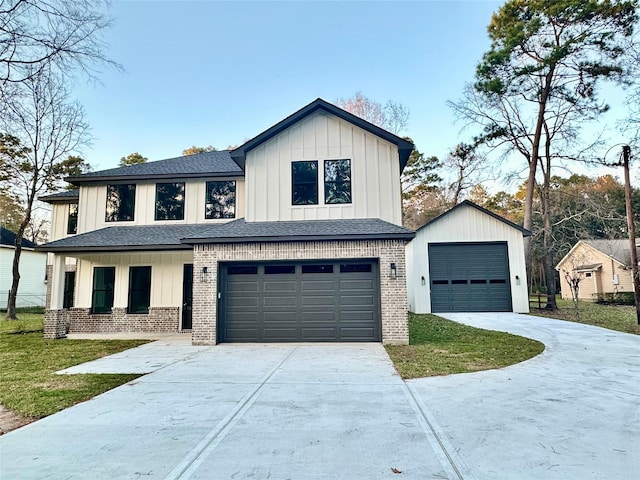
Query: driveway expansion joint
{"points": [[192, 461], [451, 463]]}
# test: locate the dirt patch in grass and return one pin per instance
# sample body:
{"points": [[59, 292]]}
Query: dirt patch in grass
{"points": [[11, 420]]}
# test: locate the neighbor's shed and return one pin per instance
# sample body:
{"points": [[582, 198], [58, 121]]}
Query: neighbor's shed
{"points": [[468, 259]]}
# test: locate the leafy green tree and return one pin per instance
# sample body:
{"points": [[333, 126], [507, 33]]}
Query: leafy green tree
{"points": [[11, 211], [193, 150], [539, 81], [132, 159]]}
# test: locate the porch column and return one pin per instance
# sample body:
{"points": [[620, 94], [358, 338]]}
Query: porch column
{"points": [[55, 321]]}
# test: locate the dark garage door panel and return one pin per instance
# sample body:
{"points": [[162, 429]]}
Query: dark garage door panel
{"points": [[340, 303], [469, 277]]}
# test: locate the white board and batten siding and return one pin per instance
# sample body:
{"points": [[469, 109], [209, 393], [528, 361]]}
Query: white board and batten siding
{"points": [[166, 276], [93, 199], [463, 225], [375, 172]]}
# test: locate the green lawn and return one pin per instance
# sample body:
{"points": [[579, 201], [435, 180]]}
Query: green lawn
{"points": [[614, 317], [28, 384], [441, 347]]}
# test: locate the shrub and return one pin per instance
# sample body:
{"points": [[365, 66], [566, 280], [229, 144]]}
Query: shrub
{"points": [[616, 298]]}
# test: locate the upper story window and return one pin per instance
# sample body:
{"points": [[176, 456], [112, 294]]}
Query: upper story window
{"points": [[221, 199], [337, 181], [304, 183], [72, 219], [169, 201], [121, 202]]}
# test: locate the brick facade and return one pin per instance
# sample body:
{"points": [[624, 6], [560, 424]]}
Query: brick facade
{"points": [[393, 292], [79, 320]]}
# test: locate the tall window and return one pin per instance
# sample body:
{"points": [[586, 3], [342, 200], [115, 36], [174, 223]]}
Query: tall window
{"points": [[102, 296], [139, 290], [221, 199], [69, 286], [72, 220], [169, 201], [337, 181], [304, 183], [121, 202]]}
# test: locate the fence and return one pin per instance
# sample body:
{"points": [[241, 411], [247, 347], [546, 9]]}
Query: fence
{"points": [[23, 300]]}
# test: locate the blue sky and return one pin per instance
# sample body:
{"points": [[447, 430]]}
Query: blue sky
{"points": [[217, 73]]}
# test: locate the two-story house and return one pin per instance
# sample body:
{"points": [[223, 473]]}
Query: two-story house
{"points": [[294, 236]]}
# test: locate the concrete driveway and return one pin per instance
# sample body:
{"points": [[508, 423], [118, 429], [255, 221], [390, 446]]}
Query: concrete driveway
{"points": [[340, 411]]}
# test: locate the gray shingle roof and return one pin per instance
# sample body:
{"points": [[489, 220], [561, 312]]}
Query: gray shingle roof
{"points": [[353, 229], [207, 164], [618, 249], [125, 238], [7, 237], [174, 237], [65, 196]]}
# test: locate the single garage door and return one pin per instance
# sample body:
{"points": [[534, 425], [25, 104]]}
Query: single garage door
{"points": [[469, 277], [320, 301]]}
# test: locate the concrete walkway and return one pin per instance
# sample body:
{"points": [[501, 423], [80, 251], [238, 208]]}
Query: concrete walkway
{"points": [[339, 411]]}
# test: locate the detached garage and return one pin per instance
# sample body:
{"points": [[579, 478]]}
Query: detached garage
{"points": [[467, 260]]}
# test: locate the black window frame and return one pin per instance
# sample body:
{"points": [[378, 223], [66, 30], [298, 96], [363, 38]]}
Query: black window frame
{"points": [[171, 204], [114, 192], [216, 210], [107, 290], [337, 183], [72, 219], [296, 184], [139, 295]]}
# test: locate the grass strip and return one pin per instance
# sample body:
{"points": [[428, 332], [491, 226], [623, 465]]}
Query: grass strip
{"points": [[621, 318], [438, 346], [28, 384]]}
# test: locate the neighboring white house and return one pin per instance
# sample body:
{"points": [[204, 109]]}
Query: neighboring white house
{"points": [[467, 260], [32, 288]]}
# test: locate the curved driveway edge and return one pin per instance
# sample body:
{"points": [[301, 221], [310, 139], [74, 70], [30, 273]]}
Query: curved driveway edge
{"points": [[572, 412]]}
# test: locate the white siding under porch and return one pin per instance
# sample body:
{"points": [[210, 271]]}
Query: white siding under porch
{"points": [[166, 276], [375, 172], [465, 224]]}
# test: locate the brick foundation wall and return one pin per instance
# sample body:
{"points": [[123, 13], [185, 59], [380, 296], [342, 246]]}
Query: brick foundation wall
{"points": [[393, 292], [80, 320]]}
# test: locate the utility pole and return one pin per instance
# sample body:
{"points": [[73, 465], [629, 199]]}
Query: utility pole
{"points": [[626, 153]]}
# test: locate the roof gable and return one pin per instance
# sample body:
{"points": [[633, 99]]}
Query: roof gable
{"points": [[616, 249], [467, 203], [239, 155]]}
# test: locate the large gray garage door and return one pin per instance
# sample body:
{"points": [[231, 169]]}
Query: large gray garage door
{"points": [[323, 301], [469, 277]]}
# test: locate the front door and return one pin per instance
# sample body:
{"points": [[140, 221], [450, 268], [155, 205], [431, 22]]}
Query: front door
{"points": [[187, 296]]}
